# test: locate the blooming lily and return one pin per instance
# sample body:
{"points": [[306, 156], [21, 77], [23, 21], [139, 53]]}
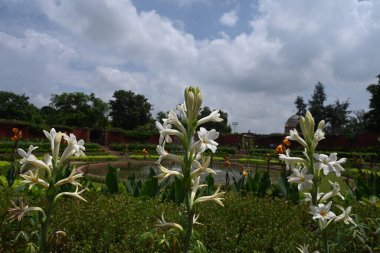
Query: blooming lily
{"points": [[213, 117], [206, 140], [161, 223], [300, 177], [290, 160], [33, 179], [294, 136], [202, 167], [71, 179], [329, 163], [165, 173], [345, 216], [161, 127], [323, 213]]}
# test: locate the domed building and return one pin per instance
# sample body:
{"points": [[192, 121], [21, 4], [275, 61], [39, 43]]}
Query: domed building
{"points": [[291, 123]]}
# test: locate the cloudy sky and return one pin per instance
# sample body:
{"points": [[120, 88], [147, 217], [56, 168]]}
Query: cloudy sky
{"points": [[250, 58]]}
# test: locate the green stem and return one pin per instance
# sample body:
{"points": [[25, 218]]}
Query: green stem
{"points": [[44, 240], [325, 241], [189, 229], [187, 181]]}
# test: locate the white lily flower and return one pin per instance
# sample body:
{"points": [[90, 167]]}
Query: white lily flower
{"points": [[173, 120], [202, 167], [33, 179], [19, 211], [74, 147], [289, 161], [329, 163], [215, 197], [24, 154], [213, 117], [165, 173], [323, 213], [76, 194], [195, 187], [300, 177], [164, 155], [206, 140], [161, 127], [305, 249], [195, 219], [318, 136], [294, 136], [55, 141], [48, 160], [334, 192], [71, 179], [161, 223], [182, 109], [167, 132], [32, 162], [345, 216], [308, 197]]}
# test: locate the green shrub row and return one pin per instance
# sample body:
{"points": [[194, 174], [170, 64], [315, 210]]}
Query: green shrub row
{"points": [[117, 223], [138, 147], [7, 147]]}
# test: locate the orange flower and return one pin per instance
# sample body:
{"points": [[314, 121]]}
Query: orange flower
{"points": [[17, 134], [227, 162], [286, 142], [245, 173], [145, 152], [280, 149]]}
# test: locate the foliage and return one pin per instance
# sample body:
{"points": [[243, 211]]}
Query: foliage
{"points": [[373, 115], [76, 109], [17, 107], [43, 147], [316, 103], [337, 117], [300, 105], [112, 179], [129, 110]]}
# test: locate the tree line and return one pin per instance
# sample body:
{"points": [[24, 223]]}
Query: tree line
{"points": [[339, 119], [126, 110]]}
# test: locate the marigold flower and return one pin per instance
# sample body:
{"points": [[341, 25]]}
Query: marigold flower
{"points": [[286, 142], [17, 134], [280, 149]]}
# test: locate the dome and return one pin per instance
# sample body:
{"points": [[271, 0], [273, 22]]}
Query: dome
{"points": [[292, 122]]}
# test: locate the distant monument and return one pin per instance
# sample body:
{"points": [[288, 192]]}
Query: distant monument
{"points": [[291, 123]]}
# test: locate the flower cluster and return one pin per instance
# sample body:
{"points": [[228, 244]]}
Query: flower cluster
{"points": [[17, 134], [194, 143], [50, 174], [309, 171]]}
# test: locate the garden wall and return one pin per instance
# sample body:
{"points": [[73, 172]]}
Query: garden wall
{"points": [[106, 137]]}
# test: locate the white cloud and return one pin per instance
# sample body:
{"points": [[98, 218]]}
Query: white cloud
{"points": [[229, 18], [108, 45]]}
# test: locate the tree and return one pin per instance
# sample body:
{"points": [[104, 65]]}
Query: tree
{"points": [[76, 109], [337, 117], [373, 115], [316, 104], [221, 127], [301, 106], [357, 123], [129, 110], [161, 115], [17, 107]]}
